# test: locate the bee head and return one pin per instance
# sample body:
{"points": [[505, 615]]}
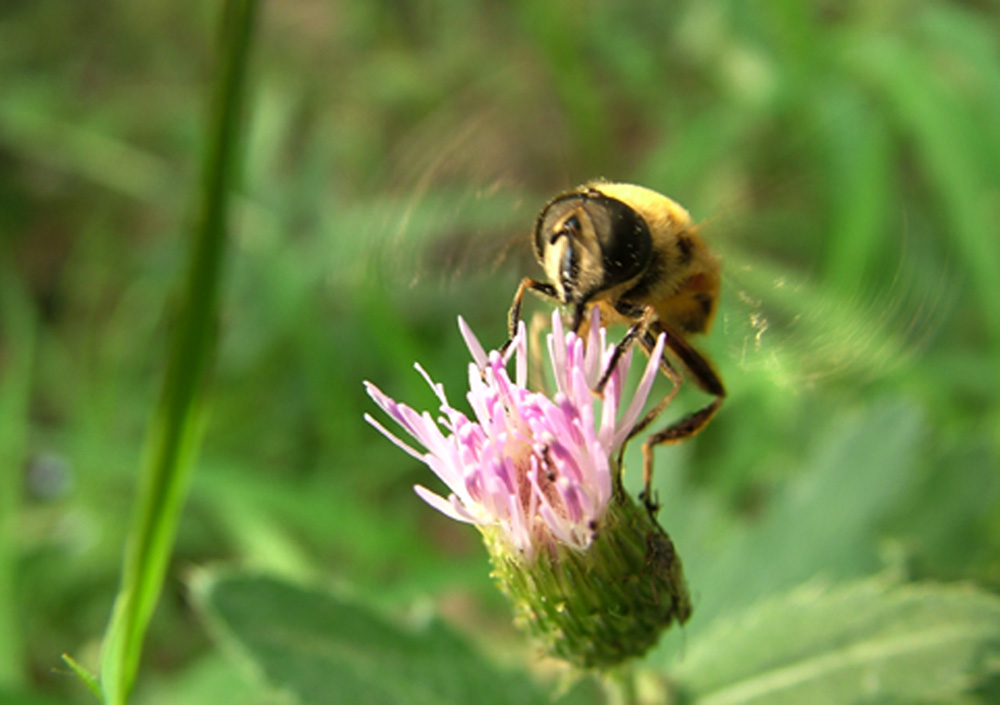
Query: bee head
{"points": [[588, 243]]}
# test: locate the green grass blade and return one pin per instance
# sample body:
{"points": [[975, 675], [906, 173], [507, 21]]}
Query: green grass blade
{"points": [[17, 355], [858, 165], [88, 678], [947, 139], [175, 429]]}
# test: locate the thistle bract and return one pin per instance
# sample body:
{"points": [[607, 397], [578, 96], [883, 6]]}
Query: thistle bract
{"points": [[591, 574]]}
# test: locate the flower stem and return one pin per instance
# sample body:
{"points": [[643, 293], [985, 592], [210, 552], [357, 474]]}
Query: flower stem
{"points": [[620, 686]]}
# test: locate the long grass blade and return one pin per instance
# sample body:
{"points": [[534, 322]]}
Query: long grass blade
{"points": [[175, 429]]}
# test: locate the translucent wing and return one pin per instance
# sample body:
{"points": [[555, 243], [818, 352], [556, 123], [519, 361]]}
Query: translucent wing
{"points": [[799, 329], [455, 211]]}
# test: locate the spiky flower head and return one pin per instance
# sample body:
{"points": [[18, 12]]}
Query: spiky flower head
{"points": [[591, 574]]}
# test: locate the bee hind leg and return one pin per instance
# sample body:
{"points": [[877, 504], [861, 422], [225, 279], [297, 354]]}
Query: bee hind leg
{"points": [[674, 433], [705, 377], [648, 343]]}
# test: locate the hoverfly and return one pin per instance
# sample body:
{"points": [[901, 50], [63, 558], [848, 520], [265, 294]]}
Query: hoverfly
{"points": [[637, 256]]}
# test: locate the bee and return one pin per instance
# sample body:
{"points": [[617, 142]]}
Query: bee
{"points": [[638, 257]]}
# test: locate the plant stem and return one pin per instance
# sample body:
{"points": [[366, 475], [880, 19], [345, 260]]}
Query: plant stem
{"points": [[619, 685], [174, 432]]}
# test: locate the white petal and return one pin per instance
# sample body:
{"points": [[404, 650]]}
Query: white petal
{"points": [[592, 355], [521, 355], [449, 509], [641, 392], [478, 354], [437, 388], [557, 352], [385, 432]]}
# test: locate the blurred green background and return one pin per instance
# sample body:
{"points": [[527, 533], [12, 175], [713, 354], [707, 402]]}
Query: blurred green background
{"points": [[846, 158]]}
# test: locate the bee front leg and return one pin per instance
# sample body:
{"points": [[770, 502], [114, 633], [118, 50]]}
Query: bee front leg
{"points": [[514, 314]]}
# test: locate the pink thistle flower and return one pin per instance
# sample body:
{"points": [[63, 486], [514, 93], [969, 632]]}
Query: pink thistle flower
{"points": [[592, 576], [539, 468]]}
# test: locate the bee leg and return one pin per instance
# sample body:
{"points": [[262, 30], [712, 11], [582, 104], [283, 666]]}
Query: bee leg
{"points": [[514, 315], [706, 378], [640, 326], [700, 368], [648, 343], [674, 433]]}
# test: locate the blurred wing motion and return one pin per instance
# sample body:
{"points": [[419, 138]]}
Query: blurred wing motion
{"points": [[457, 208], [454, 216], [788, 322]]}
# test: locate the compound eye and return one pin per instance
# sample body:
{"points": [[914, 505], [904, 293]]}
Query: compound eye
{"points": [[625, 240]]}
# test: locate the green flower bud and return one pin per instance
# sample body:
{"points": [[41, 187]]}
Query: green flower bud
{"points": [[601, 606]]}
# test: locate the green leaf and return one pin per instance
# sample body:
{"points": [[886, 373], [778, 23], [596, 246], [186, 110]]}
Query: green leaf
{"points": [[323, 649], [823, 522], [212, 678], [866, 641]]}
